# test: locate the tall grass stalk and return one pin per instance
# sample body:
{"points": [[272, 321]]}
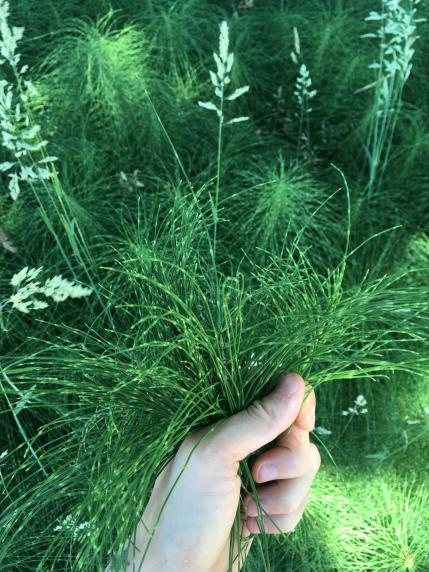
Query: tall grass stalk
{"points": [[303, 93], [397, 34], [31, 164], [221, 80]]}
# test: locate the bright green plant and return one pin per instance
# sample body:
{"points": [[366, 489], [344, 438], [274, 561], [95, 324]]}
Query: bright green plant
{"points": [[187, 358], [289, 207]]}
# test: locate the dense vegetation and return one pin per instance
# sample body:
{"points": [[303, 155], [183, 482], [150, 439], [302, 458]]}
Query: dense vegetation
{"points": [[200, 257]]}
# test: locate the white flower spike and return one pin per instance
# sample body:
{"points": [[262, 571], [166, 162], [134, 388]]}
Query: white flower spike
{"points": [[221, 78], [28, 290], [18, 135]]}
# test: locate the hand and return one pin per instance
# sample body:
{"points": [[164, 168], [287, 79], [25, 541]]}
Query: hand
{"points": [[194, 528]]}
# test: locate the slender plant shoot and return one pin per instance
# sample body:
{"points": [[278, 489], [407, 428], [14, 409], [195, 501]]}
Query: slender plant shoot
{"points": [[303, 94], [221, 80], [397, 34]]}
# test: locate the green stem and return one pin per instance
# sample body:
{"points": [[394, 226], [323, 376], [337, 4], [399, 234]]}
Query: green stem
{"points": [[21, 428], [218, 180], [215, 207]]}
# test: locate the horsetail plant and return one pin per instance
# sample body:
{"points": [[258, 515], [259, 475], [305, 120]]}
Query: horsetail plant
{"points": [[221, 79], [397, 35]]}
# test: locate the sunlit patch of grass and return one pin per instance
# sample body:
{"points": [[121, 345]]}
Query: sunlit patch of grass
{"points": [[396, 525], [356, 523]]}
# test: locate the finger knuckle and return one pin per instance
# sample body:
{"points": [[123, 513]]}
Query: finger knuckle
{"points": [[260, 411]]}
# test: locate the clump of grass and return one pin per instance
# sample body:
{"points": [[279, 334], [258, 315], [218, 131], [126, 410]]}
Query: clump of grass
{"points": [[181, 33], [96, 81], [393, 534], [174, 339], [21, 137]]}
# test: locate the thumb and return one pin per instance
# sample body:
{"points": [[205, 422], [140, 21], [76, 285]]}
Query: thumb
{"points": [[245, 432]]}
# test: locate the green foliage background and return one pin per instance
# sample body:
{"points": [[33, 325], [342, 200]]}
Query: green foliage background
{"points": [[311, 276]]}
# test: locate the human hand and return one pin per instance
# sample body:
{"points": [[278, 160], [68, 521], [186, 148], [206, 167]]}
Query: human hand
{"points": [[194, 503]]}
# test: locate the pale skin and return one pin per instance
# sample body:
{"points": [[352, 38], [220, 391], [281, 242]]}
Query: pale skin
{"points": [[192, 528]]}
